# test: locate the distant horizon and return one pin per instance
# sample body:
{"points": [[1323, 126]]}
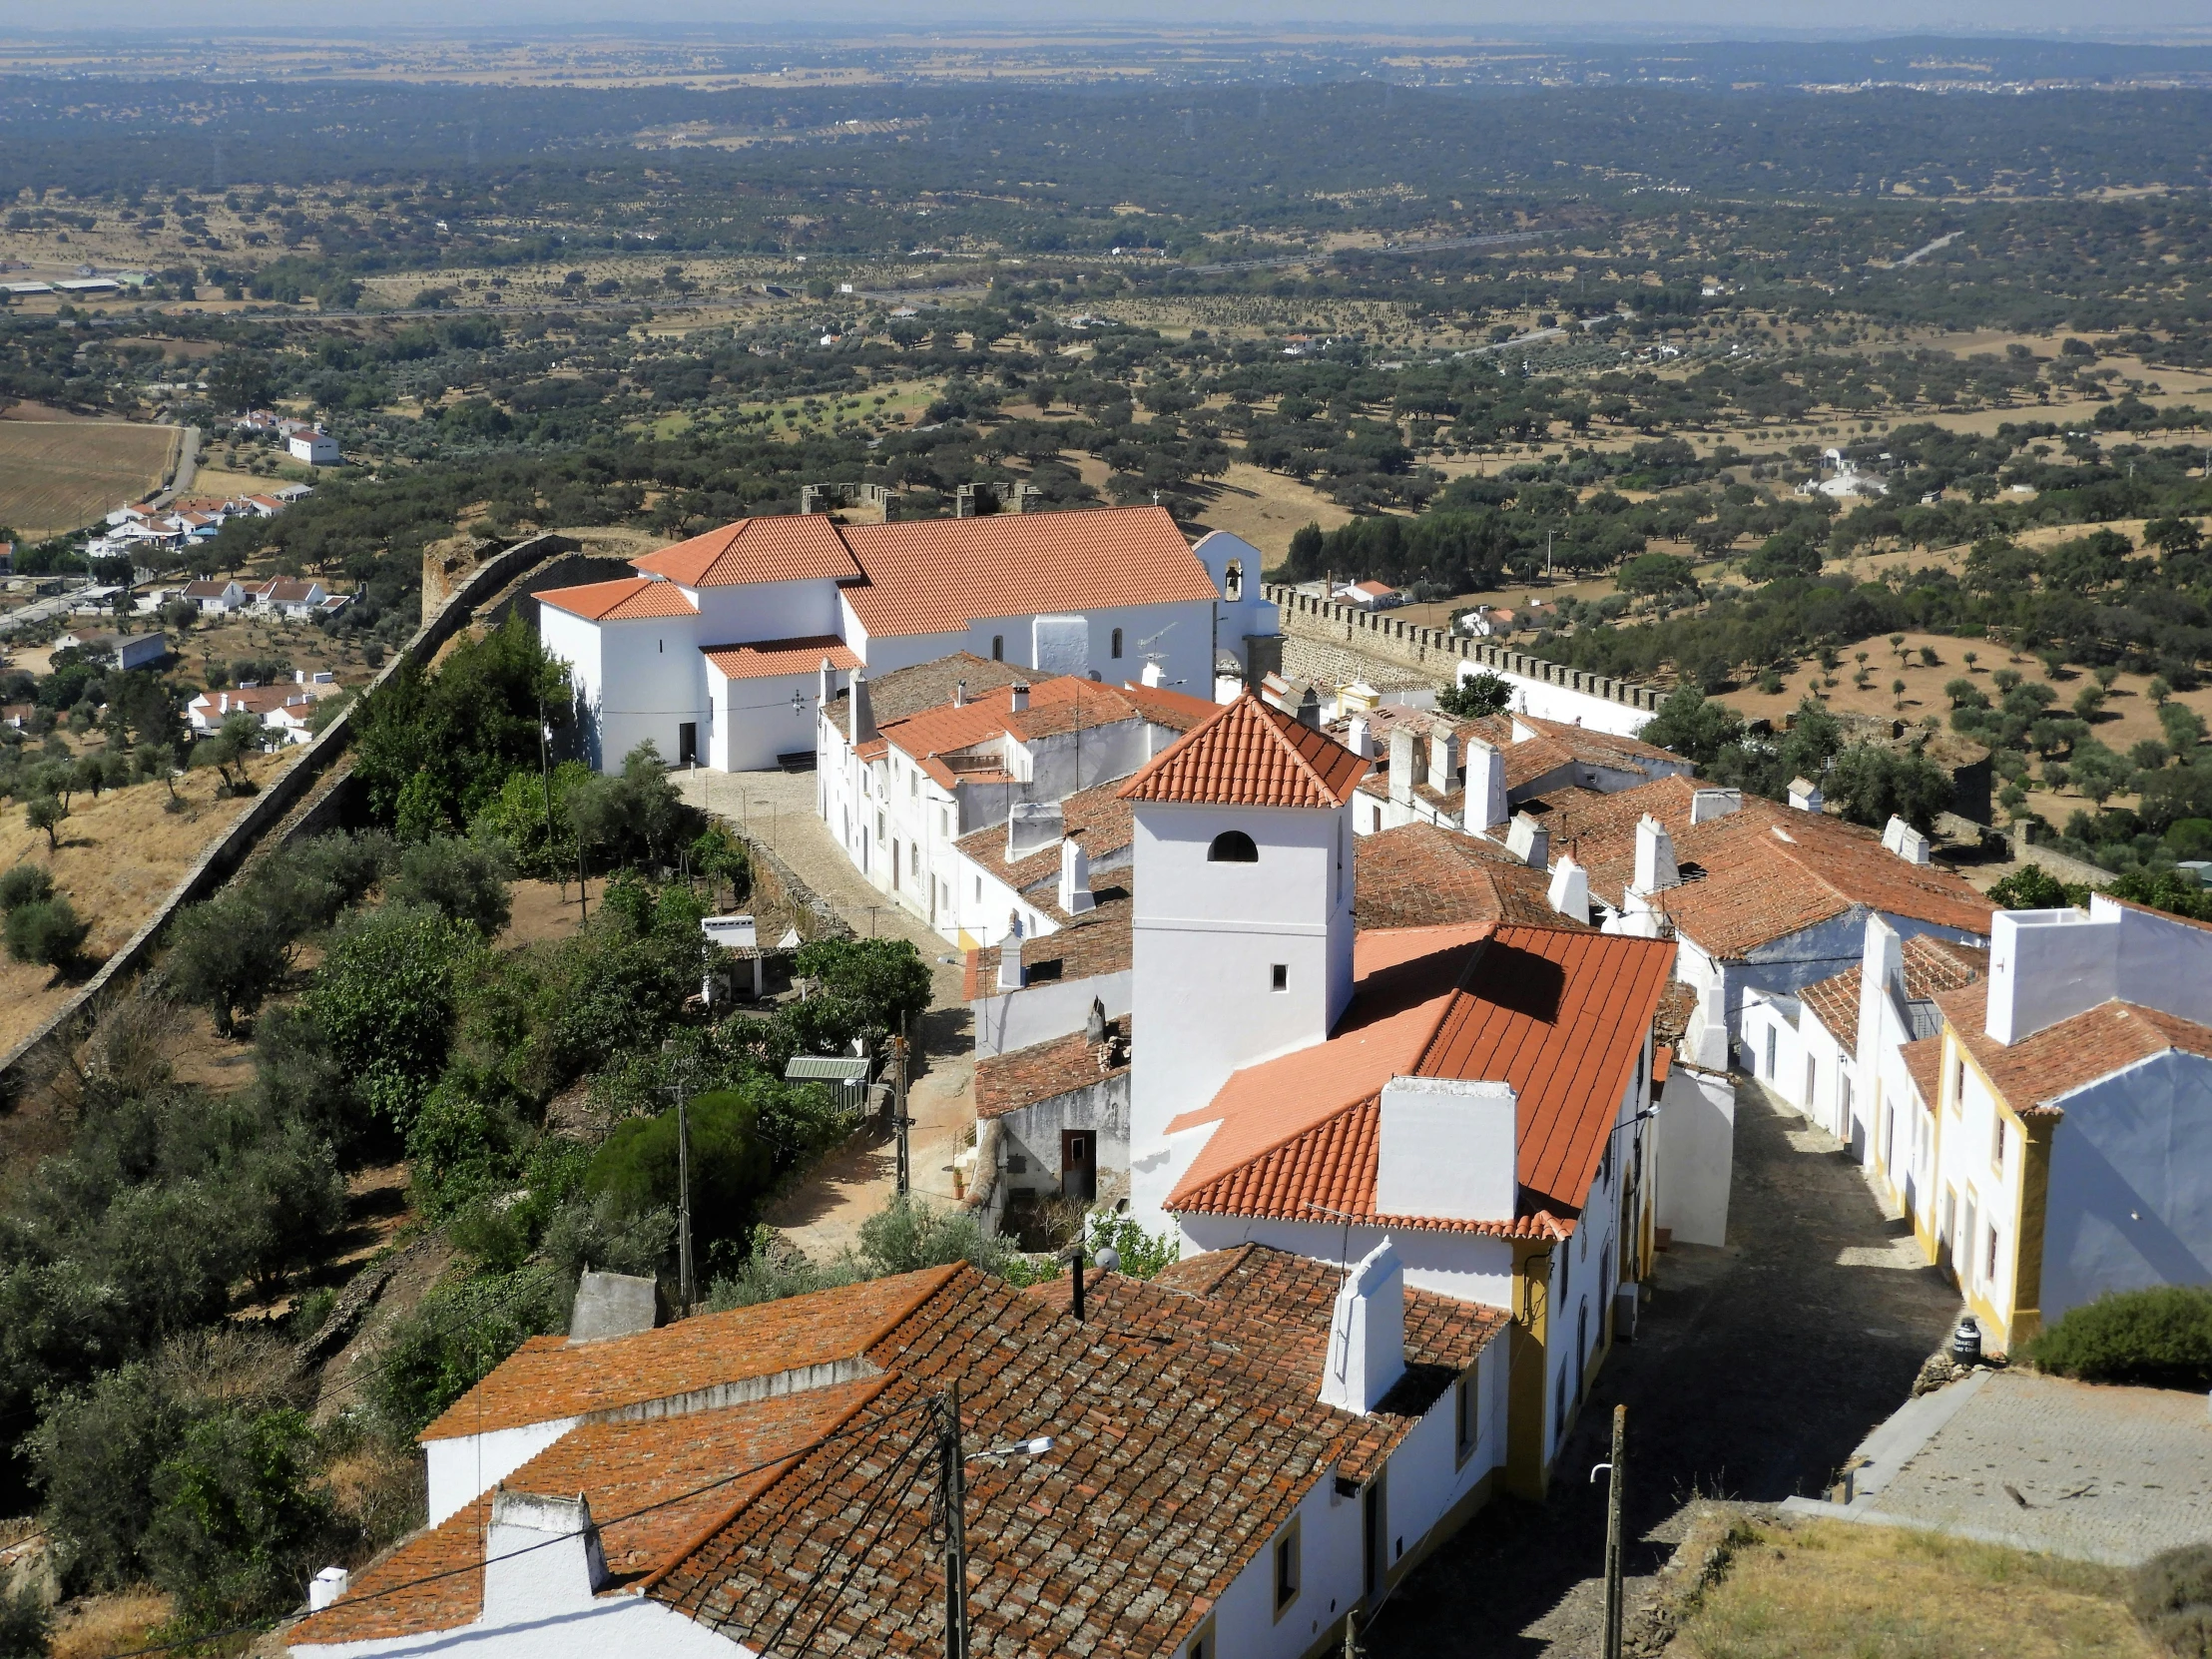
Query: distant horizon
{"points": [[1584, 23]]}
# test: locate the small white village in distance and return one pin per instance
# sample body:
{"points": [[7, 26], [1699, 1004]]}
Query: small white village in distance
{"points": [[1420, 1035]]}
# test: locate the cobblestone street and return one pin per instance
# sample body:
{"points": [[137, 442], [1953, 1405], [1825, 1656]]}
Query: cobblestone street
{"points": [[1758, 1370]]}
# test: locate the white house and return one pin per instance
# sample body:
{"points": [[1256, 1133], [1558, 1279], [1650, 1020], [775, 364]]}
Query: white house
{"points": [[288, 596], [215, 598], [128, 650], [316, 447], [1228, 1461], [287, 708], [713, 650], [1370, 595], [901, 781]]}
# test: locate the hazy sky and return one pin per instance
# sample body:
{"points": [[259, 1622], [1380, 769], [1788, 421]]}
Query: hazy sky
{"points": [[1629, 17]]}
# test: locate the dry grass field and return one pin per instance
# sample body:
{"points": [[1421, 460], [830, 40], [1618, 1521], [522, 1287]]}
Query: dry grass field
{"points": [[119, 858], [56, 476], [1825, 1590]]}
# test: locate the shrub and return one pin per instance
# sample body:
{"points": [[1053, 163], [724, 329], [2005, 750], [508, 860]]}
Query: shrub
{"points": [[2172, 1596], [227, 955], [466, 881], [25, 884], [93, 1455], [2032, 887], [239, 1519], [385, 1000], [1143, 1254], [25, 1623], [731, 1165], [455, 1336], [2159, 1338], [48, 933], [1475, 696]]}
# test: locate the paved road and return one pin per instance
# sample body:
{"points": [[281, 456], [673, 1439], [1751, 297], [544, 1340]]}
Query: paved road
{"points": [[824, 1214], [1758, 1370], [2099, 1473]]}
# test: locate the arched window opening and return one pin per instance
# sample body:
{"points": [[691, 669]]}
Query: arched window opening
{"points": [[1231, 579], [1116, 641], [998, 648], [1232, 847]]}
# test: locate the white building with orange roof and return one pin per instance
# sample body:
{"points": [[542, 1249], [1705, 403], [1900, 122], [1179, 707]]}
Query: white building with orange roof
{"points": [[713, 650]]}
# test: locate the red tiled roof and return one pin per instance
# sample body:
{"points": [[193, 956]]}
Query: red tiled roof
{"points": [[1931, 966], [937, 576], [1559, 1013], [1065, 703], [654, 1464], [2039, 1071], [1771, 871], [1097, 814], [1924, 1064], [1022, 1077], [765, 658], [549, 1377], [1250, 754], [1420, 876], [623, 600], [1164, 706], [796, 547]]}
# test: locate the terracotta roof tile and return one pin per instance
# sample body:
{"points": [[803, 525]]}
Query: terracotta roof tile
{"points": [[550, 1377], [1559, 1013], [625, 600], [1250, 754], [655, 1464], [1095, 943], [2037, 1073], [937, 576], [1931, 966], [1097, 814], [765, 658], [796, 547], [1835, 1003], [1420, 876], [1008, 1082], [1924, 1064], [908, 691]]}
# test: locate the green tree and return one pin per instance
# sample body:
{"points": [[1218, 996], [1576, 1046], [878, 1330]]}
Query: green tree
{"points": [[93, 1456], [516, 816], [719, 856], [45, 811], [48, 933], [385, 1001], [1656, 573], [227, 955], [25, 884], [1871, 784], [239, 736], [2032, 887], [1475, 696], [731, 1166], [879, 986], [464, 881], [1693, 727], [240, 1516], [633, 817]]}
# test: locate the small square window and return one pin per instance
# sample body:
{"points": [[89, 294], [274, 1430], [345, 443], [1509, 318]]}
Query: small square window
{"points": [[1281, 976]]}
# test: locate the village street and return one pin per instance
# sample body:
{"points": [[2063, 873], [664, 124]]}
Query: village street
{"points": [[1757, 1371], [823, 1214]]}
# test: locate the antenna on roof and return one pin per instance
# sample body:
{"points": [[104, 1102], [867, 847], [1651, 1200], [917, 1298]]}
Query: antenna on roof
{"points": [[1343, 1264]]}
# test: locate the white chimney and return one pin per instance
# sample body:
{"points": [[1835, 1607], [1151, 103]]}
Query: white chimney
{"points": [[1011, 974], [541, 1555], [326, 1586], [1154, 674], [1359, 739], [826, 683], [1805, 794], [1709, 804], [1446, 1150], [1570, 889], [1075, 876], [1904, 840], [1485, 805], [959, 693], [1017, 697], [1443, 759], [1529, 842], [2049, 966], [1308, 709], [1031, 826], [1366, 1333], [1881, 986], [1655, 866], [864, 711], [1401, 762]]}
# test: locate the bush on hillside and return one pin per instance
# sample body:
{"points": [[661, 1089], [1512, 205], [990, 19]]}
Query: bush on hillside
{"points": [[48, 933], [2172, 1596], [2156, 1338], [239, 1519], [25, 884]]}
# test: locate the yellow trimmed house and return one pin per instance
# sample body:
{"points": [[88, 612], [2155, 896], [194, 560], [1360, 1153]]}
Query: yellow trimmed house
{"points": [[2063, 1147]]}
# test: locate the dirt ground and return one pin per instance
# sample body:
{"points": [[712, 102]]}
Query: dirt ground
{"points": [[120, 857], [1266, 508], [1758, 1370]]}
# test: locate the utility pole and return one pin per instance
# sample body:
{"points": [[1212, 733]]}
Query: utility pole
{"points": [[1613, 1500], [899, 1120], [545, 776], [952, 1494], [683, 1192]]}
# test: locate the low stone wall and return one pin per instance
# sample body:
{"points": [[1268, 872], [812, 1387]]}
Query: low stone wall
{"points": [[1553, 692], [38, 1058], [784, 889]]}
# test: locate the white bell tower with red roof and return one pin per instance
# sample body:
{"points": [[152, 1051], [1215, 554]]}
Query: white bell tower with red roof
{"points": [[1242, 916]]}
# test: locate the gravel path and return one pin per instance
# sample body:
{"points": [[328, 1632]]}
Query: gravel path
{"points": [[1759, 1368]]}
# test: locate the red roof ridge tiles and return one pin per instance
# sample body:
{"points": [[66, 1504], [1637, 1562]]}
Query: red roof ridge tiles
{"points": [[1250, 754], [2036, 1072], [761, 659], [793, 547], [625, 599], [549, 1377]]}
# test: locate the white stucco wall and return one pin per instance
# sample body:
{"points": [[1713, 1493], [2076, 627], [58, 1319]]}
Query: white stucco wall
{"points": [[1467, 1267], [465, 1465], [1047, 1009], [1205, 939], [752, 721], [621, 1624], [652, 680], [1695, 1155], [1549, 701]]}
